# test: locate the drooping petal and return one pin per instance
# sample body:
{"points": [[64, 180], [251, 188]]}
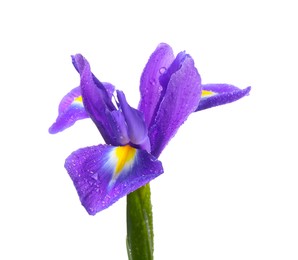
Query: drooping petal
{"points": [[136, 127], [150, 87], [181, 99], [103, 174], [220, 94], [71, 109]]}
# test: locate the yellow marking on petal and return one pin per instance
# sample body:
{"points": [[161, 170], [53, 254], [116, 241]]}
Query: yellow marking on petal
{"points": [[78, 99], [125, 155], [207, 93]]}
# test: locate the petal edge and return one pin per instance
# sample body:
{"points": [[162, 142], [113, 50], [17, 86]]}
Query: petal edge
{"points": [[181, 99], [150, 88], [71, 109], [221, 94]]}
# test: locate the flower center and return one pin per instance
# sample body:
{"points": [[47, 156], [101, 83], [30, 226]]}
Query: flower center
{"points": [[125, 155], [207, 93], [78, 99]]}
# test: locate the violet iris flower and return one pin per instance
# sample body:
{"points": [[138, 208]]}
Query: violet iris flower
{"points": [[170, 90]]}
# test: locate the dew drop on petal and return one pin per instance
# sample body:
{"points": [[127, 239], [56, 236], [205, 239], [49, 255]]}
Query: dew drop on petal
{"points": [[152, 82], [162, 70]]}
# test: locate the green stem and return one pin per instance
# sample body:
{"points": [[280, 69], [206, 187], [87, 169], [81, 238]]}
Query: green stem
{"points": [[139, 225]]}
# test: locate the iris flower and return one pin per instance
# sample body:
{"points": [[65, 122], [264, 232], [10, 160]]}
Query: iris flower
{"points": [[170, 89]]}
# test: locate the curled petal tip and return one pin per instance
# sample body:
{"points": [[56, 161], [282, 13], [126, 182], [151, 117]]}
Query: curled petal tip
{"points": [[246, 91]]}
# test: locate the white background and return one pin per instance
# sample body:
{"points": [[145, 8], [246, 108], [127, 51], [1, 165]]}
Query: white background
{"points": [[229, 190]]}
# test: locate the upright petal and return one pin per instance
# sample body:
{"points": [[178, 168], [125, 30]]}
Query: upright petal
{"points": [[181, 99], [70, 110], [136, 127], [176, 64], [150, 87], [118, 127], [220, 94], [103, 174], [107, 89], [94, 99]]}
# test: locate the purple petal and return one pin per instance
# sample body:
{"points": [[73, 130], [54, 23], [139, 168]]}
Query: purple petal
{"points": [[175, 66], [181, 99], [118, 127], [107, 89], [136, 127], [94, 100], [220, 94], [150, 87], [103, 174], [70, 110]]}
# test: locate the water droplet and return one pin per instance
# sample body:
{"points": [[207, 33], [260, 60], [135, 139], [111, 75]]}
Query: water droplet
{"points": [[152, 82], [162, 70]]}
